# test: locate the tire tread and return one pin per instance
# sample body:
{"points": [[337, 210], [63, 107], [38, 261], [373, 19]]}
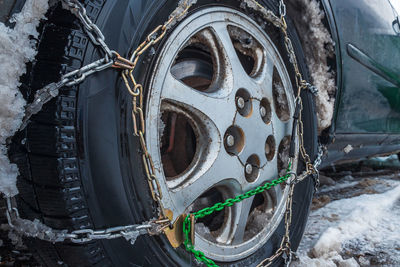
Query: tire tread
{"points": [[46, 151]]}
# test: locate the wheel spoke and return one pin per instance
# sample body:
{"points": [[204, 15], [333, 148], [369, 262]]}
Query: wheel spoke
{"points": [[270, 169], [241, 216], [281, 129], [241, 78], [219, 110], [215, 77], [264, 81], [278, 192]]}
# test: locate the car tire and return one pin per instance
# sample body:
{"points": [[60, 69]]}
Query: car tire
{"points": [[80, 166]]}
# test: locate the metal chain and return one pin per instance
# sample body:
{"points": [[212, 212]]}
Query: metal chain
{"points": [[91, 29], [188, 243], [113, 59], [135, 89], [285, 247], [129, 232], [282, 8]]}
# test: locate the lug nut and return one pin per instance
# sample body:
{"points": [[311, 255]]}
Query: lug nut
{"points": [[233, 140], [230, 140], [263, 111], [252, 168], [240, 102], [249, 169]]}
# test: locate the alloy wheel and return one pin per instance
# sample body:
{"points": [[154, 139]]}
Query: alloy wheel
{"points": [[219, 120]]}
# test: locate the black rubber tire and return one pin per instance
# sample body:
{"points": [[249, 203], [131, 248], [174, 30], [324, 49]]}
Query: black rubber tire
{"points": [[80, 166]]}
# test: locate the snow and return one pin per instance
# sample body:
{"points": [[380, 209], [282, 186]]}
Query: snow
{"points": [[267, 14], [396, 5], [366, 224], [337, 187], [256, 222], [348, 149], [176, 14], [17, 47], [318, 46], [281, 101]]}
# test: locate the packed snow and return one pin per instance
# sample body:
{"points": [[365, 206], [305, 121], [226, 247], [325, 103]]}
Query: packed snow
{"points": [[18, 46], [362, 230], [318, 47]]}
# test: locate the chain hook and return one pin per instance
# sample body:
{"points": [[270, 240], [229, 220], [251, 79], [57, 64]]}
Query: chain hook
{"points": [[121, 62]]}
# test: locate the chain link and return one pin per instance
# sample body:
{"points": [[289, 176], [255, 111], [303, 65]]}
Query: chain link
{"points": [[129, 232], [135, 89], [110, 59], [188, 243], [282, 8], [91, 29]]}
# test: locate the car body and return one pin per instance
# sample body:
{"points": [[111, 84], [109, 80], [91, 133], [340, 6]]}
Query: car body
{"points": [[367, 110]]}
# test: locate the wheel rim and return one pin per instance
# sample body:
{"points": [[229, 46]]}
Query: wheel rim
{"points": [[218, 124]]}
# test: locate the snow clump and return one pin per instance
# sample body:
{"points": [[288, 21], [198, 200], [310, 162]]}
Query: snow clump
{"points": [[318, 47], [17, 46], [366, 223]]}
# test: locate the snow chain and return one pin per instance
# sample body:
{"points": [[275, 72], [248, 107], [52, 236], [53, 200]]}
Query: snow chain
{"points": [[311, 169], [113, 59]]}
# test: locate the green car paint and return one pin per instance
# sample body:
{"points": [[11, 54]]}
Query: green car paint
{"points": [[368, 98]]}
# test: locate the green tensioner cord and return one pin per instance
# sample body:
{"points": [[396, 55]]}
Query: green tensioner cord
{"points": [[220, 206]]}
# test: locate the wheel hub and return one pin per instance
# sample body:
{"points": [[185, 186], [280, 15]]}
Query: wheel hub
{"points": [[218, 119]]}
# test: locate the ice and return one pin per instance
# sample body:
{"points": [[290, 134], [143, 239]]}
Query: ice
{"points": [[31, 229], [396, 5], [332, 260], [17, 46]]}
